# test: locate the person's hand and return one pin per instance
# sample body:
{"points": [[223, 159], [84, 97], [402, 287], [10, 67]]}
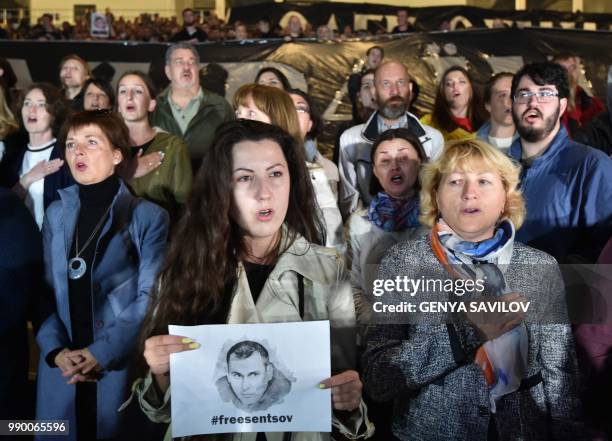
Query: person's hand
{"points": [[147, 163], [40, 171], [491, 325], [157, 355], [346, 390], [63, 361], [86, 366]]}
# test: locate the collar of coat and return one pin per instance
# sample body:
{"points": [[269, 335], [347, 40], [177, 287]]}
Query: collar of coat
{"points": [[370, 130], [558, 143], [71, 205], [314, 262]]}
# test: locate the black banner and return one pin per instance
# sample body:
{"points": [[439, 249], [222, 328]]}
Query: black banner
{"points": [[323, 67]]}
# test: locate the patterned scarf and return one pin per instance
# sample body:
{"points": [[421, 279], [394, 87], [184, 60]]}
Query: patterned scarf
{"points": [[503, 360], [394, 214]]}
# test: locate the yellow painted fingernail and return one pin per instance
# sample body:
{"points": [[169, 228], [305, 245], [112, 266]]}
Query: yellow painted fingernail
{"points": [[186, 340], [194, 345], [321, 386]]}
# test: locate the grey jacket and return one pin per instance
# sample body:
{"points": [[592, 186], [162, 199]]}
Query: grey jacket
{"points": [[429, 370]]}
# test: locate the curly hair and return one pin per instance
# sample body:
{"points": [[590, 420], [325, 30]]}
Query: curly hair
{"points": [[459, 155]]}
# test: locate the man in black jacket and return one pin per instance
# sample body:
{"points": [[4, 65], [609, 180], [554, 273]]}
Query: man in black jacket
{"points": [[190, 32]]}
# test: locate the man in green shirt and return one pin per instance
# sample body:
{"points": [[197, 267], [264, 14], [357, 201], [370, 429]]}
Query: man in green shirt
{"points": [[185, 109]]}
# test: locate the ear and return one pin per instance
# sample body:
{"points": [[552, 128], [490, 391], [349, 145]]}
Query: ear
{"points": [[167, 71], [375, 172], [562, 106], [152, 105], [269, 371], [488, 107], [117, 156]]}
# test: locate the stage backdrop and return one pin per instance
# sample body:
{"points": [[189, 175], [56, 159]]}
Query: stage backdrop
{"points": [[322, 68]]}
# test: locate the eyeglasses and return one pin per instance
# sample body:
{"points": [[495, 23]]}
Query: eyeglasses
{"points": [[386, 84], [179, 62], [542, 96]]}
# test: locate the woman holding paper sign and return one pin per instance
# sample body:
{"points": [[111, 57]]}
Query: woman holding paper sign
{"points": [[247, 242], [499, 378]]}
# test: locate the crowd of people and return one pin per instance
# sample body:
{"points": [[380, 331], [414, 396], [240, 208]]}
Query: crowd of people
{"points": [[126, 209], [197, 26]]}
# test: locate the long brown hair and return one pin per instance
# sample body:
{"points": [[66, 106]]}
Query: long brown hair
{"points": [[8, 124], [442, 115], [199, 272]]}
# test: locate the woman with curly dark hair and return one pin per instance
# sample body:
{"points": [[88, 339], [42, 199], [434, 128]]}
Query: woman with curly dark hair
{"points": [[248, 253], [458, 109], [36, 171]]}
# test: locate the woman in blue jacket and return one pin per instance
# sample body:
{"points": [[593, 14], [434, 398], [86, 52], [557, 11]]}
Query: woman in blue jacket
{"points": [[102, 248]]}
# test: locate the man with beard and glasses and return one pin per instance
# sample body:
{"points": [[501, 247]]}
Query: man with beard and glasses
{"points": [[185, 109], [393, 90], [566, 185]]}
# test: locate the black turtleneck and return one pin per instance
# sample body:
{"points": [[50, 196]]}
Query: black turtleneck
{"points": [[95, 200]]}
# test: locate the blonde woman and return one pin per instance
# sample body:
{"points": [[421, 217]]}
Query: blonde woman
{"points": [[465, 376], [8, 125]]}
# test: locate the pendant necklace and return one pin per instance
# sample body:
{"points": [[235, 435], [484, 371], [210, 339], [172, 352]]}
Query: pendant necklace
{"points": [[77, 266]]}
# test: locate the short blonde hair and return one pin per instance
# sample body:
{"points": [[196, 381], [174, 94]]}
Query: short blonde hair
{"points": [[456, 156]]}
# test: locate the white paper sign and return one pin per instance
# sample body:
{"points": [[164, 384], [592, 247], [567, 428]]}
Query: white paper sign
{"points": [[99, 25], [251, 378]]}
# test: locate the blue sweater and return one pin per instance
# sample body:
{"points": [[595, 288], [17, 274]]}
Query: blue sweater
{"points": [[568, 193]]}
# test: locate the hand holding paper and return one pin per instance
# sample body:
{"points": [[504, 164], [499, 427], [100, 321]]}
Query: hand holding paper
{"points": [[157, 354], [346, 390]]}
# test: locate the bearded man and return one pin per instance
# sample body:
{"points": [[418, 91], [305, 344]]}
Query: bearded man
{"points": [[393, 91]]}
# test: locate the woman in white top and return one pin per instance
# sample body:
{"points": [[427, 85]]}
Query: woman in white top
{"points": [[393, 214], [37, 172]]}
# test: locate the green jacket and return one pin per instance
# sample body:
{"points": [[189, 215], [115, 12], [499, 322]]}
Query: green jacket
{"points": [[169, 184], [213, 111]]}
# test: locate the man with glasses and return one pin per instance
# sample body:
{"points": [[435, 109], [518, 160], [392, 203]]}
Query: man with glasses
{"points": [[392, 90], [185, 109], [566, 185], [499, 131]]}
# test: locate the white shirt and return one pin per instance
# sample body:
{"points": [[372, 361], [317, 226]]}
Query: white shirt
{"points": [[501, 143], [35, 199]]}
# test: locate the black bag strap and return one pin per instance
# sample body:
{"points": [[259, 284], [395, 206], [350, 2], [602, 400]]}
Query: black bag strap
{"points": [[301, 294]]}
